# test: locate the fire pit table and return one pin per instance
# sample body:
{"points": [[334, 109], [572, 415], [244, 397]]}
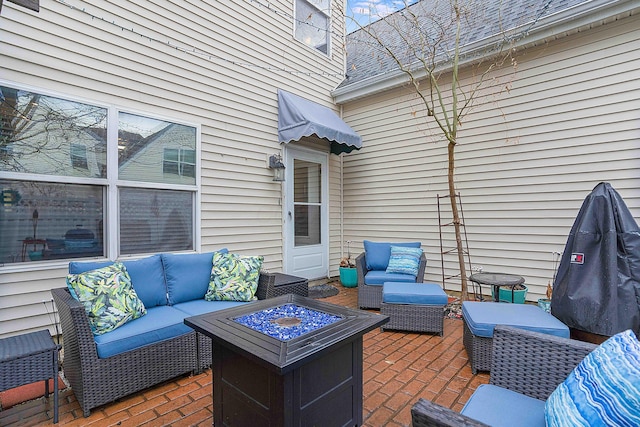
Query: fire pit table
{"points": [[287, 361]]}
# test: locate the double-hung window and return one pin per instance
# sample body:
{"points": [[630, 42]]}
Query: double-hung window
{"points": [[312, 23], [79, 180]]}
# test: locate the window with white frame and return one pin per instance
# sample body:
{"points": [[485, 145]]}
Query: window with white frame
{"points": [[312, 23], [57, 185]]}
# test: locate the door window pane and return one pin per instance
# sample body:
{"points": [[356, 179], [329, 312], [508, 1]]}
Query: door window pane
{"points": [[306, 182], [155, 221], [46, 221], [37, 133], [307, 225], [307, 199]]}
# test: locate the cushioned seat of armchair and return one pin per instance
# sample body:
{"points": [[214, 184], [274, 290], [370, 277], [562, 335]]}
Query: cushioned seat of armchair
{"points": [[541, 380], [374, 270]]}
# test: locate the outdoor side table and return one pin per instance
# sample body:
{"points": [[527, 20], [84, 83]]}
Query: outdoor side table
{"points": [[497, 280], [282, 284], [28, 358]]}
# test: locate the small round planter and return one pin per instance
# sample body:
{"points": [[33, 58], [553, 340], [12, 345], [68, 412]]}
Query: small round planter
{"points": [[348, 277], [504, 295]]}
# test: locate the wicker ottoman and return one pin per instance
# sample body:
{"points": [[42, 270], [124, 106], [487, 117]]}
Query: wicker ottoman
{"points": [[415, 307], [480, 318]]}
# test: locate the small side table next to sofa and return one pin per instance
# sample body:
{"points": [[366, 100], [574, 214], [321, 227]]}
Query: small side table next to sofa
{"points": [[28, 358]]}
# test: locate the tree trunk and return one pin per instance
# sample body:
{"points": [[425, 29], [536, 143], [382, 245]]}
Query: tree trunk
{"points": [[456, 222]]}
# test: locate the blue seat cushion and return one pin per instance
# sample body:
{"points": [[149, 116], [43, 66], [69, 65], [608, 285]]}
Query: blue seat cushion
{"points": [[187, 275], [378, 277], [413, 293], [201, 306], [482, 317], [159, 324], [147, 277], [378, 253], [500, 407]]}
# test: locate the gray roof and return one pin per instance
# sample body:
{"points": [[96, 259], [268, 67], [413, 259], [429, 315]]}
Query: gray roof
{"points": [[487, 26]]}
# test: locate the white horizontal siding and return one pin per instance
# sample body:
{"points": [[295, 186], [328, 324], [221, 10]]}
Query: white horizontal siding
{"points": [[525, 161], [217, 64]]}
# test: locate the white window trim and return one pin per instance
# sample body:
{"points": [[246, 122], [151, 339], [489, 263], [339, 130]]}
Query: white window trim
{"points": [[111, 182], [329, 29]]}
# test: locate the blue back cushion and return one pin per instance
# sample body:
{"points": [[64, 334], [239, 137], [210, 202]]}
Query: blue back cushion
{"points": [[147, 277], [187, 275], [378, 253]]}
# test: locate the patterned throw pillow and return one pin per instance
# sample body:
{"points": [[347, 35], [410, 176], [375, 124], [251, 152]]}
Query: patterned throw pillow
{"points": [[404, 260], [107, 296], [234, 277], [603, 390]]}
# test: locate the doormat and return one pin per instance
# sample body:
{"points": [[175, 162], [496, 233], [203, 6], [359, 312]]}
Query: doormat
{"points": [[322, 291]]}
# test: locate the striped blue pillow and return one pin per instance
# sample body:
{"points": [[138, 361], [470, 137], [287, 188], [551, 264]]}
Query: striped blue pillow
{"points": [[404, 260], [603, 390]]}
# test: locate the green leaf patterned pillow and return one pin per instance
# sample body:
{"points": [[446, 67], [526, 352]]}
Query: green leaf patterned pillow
{"points": [[107, 296], [234, 277]]}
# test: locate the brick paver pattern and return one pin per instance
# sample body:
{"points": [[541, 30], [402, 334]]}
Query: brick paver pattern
{"points": [[399, 368]]}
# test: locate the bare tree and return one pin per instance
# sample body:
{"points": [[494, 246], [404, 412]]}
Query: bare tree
{"points": [[37, 131], [430, 42]]}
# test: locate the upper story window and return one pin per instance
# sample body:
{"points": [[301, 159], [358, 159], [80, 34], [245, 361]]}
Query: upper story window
{"points": [[312, 23], [62, 197]]}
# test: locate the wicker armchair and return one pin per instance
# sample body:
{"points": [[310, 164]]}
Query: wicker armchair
{"points": [[526, 362], [371, 296]]}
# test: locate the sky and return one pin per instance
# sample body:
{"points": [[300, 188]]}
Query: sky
{"points": [[366, 11]]}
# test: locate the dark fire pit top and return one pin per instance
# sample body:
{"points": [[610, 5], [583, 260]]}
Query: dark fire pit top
{"points": [[287, 321]]}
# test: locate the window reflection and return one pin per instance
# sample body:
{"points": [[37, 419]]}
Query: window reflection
{"points": [[152, 150], [53, 186], [44, 135], [44, 221]]}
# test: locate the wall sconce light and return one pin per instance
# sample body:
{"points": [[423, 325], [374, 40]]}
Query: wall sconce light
{"points": [[275, 163]]}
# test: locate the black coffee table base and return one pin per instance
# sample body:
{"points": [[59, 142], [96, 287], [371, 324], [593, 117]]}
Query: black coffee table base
{"points": [[324, 392], [313, 379]]}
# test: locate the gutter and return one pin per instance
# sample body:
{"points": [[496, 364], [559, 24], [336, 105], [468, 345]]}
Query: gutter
{"points": [[558, 25]]}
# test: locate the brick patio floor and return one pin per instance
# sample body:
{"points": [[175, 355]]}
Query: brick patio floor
{"points": [[399, 368]]}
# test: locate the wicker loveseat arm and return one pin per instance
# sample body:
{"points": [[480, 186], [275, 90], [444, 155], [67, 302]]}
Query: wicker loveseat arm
{"points": [[532, 363], [427, 414]]}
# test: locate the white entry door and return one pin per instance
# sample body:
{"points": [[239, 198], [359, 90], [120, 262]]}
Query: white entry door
{"points": [[306, 213]]}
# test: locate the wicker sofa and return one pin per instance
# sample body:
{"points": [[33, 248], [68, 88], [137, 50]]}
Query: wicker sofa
{"points": [[371, 268], [149, 350], [528, 363]]}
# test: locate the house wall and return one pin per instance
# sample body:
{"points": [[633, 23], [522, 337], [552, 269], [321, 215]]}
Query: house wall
{"points": [[532, 148], [217, 64]]}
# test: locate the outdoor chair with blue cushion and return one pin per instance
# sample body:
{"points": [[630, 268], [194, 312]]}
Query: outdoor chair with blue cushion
{"points": [[387, 262], [544, 380]]}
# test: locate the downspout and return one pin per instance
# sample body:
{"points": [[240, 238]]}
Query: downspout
{"points": [[341, 194]]}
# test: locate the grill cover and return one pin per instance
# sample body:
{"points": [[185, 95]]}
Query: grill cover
{"points": [[597, 287]]}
